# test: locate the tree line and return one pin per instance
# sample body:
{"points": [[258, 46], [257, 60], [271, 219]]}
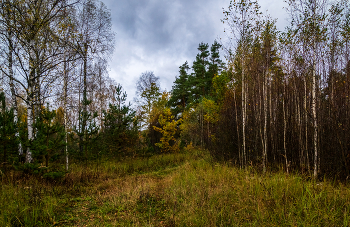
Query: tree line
{"points": [[57, 98], [279, 99], [286, 98], [282, 99]]}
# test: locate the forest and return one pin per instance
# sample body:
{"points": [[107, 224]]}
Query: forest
{"points": [[261, 111]]}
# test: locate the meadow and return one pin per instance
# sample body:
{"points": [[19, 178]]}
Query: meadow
{"points": [[182, 189]]}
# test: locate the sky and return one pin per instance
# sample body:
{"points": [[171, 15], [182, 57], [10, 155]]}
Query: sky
{"points": [[160, 35]]}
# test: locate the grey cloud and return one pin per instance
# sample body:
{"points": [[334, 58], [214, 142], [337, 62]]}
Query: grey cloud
{"points": [[160, 35]]}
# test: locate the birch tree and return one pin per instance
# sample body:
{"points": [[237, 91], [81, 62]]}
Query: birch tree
{"points": [[95, 40], [240, 18]]}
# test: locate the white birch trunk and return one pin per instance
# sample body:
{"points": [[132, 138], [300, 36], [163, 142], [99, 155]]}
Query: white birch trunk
{"points": [[314, 116], [243, 116], [285, 131], [65, 113], [265, 123], [238, 137], [13, 91], [29, 158], [306, 127], [314, 98], [30, 94]]}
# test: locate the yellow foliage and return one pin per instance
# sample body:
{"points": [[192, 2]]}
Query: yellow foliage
{"points": [[189, 147], [211, 111], [168, 130]]}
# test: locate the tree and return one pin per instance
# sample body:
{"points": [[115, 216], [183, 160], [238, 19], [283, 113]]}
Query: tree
{"points": [[240, 17], [94, 40], [8, 131], [216, 65], [308, 16], [50, 136], [168, 128], [87, 132], [199, 79], [120, 123], [35, 26], [148, 92], [7, 36], [181, 91]]}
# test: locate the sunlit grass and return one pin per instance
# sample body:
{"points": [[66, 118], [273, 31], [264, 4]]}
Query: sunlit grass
{"points": [[172, 190]]}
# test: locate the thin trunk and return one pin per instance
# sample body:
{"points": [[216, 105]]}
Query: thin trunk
{"points": [[201, 119], [238, 137], [100, 98], [30, 94], [83, 126], [301, 148], [265, 123], [314, 116], [314, 100], [298, 120], [65, 89], [243, 116], [271, 123], [306, 125], [285, 130], [12, 87], [29, 125]]}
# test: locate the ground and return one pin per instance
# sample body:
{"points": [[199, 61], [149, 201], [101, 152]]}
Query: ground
{"points": [[182, 189]]}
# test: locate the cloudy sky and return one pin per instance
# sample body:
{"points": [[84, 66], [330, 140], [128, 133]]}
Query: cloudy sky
{"points": [[160, 35]]}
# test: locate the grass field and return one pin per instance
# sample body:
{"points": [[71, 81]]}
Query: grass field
{"points": [[184, 189]]}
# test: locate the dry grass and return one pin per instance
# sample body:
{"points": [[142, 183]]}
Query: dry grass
{"points": [[174, 190]]}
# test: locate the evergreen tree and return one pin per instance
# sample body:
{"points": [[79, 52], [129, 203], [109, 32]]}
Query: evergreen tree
{"points": [[199, 79], [189, 89], [215, 64], [8, 138], [180, 94], [205, 67], [50, 137], [121, 127], [87, 130]]}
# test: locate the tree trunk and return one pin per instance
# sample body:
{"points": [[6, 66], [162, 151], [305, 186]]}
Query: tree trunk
{"points": [[314, 116], [314, 98], [30, 94], [65, 89], [243, 116], [83, 124], [285, 129], [12, 87], [238, 137], [265, 122]]}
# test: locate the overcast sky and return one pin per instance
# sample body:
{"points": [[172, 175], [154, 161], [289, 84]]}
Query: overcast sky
{"points": [[160, 35]]}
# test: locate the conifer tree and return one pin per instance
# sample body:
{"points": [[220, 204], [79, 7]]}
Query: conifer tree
{"points": [[50, 137], [199, 79], [8, 139], [180, 94], [120, 123], [87, 129]]}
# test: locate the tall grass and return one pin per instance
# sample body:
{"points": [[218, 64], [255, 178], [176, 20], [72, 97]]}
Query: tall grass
{"points": [[171, 190]]}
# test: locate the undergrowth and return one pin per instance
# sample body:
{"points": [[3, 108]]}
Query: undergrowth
{"points": [[184, 189]]}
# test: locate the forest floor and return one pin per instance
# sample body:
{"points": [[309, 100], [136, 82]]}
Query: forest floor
{"points": [[184, 189]]}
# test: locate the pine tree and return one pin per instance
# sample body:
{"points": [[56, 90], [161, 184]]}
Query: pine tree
{"points": [[8, 139], [50, 137], [216, 65], [180, 94], [120, 123], [87, 130], [199, 79]]}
